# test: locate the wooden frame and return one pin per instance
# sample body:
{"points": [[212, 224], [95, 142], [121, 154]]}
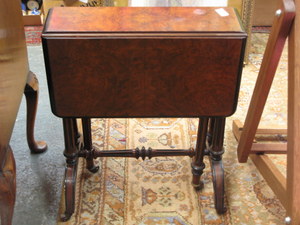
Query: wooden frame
{"points": [[286, 189], [293, 157], [136, 88], [261, 148]]}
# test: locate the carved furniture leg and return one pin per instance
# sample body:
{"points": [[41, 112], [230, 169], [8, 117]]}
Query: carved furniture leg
{"points": [[216, 151], [7, 185], [71, 148], [87, 137], [31, 93], [211, 123], [198, 164], [77, 135]]}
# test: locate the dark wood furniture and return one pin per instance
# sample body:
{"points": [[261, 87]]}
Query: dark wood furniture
{"points": [[144, 62], [14, 78]]}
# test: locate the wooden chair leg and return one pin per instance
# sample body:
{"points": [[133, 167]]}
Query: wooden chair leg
{"points": [[88, 145], [216, 151], [7, 185], [31, 93], [198, 164], [71, 149]]}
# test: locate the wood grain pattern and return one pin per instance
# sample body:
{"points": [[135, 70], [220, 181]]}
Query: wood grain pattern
{"points": [[7, 186], [216, 151], [272, 175], [13, 74], [71, 150], [141, 62], [133, 74], [262, 148], [198, 165], [141, 19], [293, 157], [143, 77]]}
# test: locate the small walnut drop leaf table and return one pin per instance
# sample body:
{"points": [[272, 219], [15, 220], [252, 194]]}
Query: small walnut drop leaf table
{"points": [[144, 62]]}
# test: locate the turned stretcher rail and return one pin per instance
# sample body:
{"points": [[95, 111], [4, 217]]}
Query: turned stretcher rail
{"points": [[136, 153]]}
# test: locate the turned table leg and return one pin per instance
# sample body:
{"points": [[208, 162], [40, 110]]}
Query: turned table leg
{"points": [[7, 185], [216, 151], [211, 124], [71, 150], [31, 93], [88, 145], [198, 164]]}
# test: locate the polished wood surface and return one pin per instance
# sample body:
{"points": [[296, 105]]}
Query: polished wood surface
{"points": [[144, 77], [88, 144], [71, 150], [293, 157], [144, 62], [7, 186], [13, 74], [13, 57], [132, 74], [198, 165], [216, 150], [142, 19], [32, 94]]}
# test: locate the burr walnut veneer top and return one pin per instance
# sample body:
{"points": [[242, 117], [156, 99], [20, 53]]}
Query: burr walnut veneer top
{"points": [[142, 19], [143, 62]]}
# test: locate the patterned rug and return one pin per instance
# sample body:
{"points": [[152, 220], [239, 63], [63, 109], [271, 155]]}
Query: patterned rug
{"points": [[159, 191], [33, 34], [261, 29]]}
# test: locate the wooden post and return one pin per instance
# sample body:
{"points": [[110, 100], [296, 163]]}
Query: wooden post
{"points": [[293, 157]]}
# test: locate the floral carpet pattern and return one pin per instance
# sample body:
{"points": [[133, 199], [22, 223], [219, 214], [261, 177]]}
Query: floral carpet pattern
{"points": [[159, 190], [33, 34]]}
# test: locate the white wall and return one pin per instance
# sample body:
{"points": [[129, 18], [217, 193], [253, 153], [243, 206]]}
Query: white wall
{"points": [[203, 2], [178, 2]]}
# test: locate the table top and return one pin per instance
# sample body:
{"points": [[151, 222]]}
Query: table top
{"points": [[142, 19], [143, 62]]}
